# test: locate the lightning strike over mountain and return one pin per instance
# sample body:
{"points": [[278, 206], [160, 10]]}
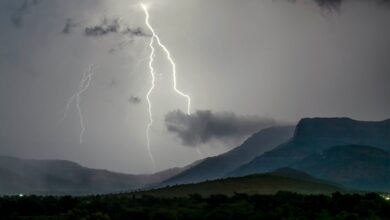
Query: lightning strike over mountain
{"points": [[83, 86], [170, 59], [152, 74]]}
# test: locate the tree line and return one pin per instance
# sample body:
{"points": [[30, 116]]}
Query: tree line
{"points": [[283, 205]]}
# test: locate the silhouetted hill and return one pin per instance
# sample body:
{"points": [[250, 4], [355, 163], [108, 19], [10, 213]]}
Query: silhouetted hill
{"points": [[313, 135], [355, 166], [65, 177], [270, 183], [216, 167], [293, 173]]}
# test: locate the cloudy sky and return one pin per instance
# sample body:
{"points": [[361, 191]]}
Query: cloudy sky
{"points": [[245, 64]]}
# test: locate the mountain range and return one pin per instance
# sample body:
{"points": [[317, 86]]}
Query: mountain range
{"points": [[218, 166], [353, 154], [24, 176], [354, 166], [314, 135]]}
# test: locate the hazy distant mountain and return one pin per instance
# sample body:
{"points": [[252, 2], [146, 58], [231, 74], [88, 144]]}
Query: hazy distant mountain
{"points": [[65, 177], [281, 180], [311, 148], [218, 166], [313, 135], [360, 167]]}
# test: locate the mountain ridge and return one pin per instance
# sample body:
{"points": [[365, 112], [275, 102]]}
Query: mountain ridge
{"points": [[31, 176], [313, 135], [218, 166], [355, 166]]}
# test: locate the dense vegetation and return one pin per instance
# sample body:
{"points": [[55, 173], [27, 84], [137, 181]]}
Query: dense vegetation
{"points": [[283, 205]]}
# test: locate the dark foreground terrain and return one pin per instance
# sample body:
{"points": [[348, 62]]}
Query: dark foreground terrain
{"points": [[282, 205]]}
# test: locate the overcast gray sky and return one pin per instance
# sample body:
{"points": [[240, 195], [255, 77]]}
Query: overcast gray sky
{"points": [[270, 61]]}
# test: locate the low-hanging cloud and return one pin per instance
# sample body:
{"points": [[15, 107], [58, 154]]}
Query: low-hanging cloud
{"points": [[138, 32], [204, 126], [334, 4], [105, 28], [113, 27]]}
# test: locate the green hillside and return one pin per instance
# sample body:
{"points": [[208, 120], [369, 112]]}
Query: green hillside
{"points": [[270, 183], [354, 166]]}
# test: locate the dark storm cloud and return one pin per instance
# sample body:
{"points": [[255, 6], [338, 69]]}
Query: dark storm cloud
{"points": [[113, 27], [106, 27], [204, 126], [134, 100], [334, 4], [25, 8], [138, 32]]}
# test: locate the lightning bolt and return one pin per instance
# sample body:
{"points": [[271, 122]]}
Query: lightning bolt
{"points": [[169, 57], [76, 97], [152, 73]]}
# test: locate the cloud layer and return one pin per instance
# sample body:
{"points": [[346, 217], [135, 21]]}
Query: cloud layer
{"points": [[114, 26], [204, 126], [331, 4]]}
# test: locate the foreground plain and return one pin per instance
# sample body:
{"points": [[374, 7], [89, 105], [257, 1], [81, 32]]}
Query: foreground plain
{"points": [[282, 205]]}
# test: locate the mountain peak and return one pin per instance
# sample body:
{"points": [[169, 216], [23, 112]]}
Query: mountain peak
{"points": [[218, 166], [341, 128], [315, 135]]}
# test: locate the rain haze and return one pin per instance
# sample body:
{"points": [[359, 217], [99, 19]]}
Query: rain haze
{"points": [[256, 63]]}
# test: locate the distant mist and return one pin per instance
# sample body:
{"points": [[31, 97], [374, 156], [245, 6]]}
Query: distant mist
{"points": [[25, 8]]}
